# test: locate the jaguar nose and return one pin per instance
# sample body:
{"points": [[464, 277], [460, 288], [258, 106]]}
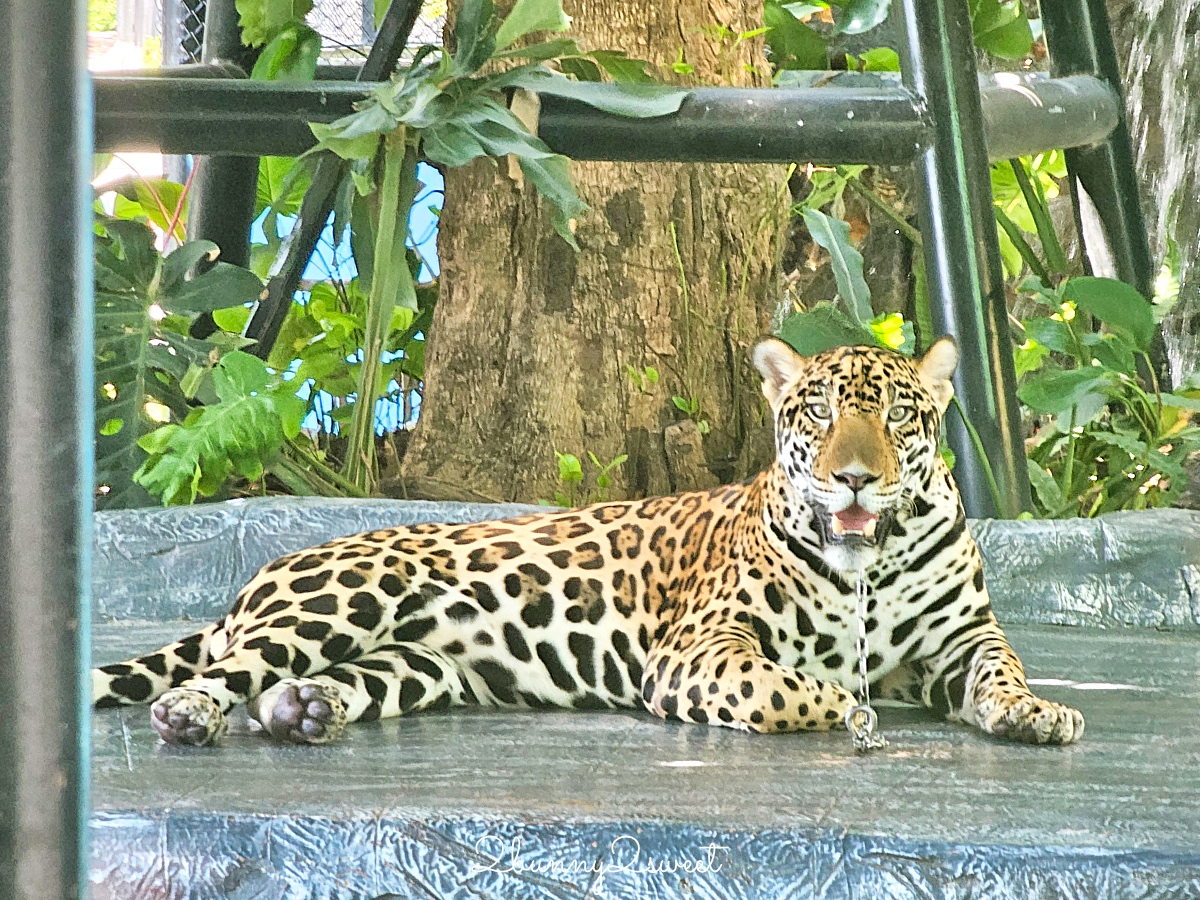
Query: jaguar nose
{"points": [[856, 479]]}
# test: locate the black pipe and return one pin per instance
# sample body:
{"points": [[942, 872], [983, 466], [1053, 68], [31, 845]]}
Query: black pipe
{"points": [[1080, 43], [962, 254], [224, 188], [1021, 116], [46, 362]]}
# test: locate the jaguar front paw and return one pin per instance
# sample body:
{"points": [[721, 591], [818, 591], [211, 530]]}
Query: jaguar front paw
{"points": [[183, 716], [1032, 720], [299, 711]]}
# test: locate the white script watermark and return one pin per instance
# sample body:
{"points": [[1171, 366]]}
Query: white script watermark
{"points": [[623, 854]]}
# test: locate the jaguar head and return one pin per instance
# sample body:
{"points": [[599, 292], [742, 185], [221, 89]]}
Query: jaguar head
{"points": [[856, 435]]}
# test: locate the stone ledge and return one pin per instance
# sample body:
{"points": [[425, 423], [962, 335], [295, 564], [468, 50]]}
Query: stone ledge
{"points": [[1134, 568]]}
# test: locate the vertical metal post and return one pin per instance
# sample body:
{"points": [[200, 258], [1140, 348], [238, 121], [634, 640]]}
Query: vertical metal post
{"points": [[46, 362], [962, 253], [1080, 43], [224, 187]]}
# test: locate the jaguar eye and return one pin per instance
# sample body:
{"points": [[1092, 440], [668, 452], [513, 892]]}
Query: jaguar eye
{"points": [[819, 411], [898, 414]]}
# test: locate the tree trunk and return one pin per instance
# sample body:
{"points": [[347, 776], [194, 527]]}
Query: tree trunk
{"points": [[532, 344]]}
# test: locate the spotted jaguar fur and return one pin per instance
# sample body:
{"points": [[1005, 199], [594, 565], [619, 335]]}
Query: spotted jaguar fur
{"points": [[728, 607]]}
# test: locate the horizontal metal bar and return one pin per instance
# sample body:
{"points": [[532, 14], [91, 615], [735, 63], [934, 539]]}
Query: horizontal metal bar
{"points": [[882, 125], [218, 116], [1023, 116]]}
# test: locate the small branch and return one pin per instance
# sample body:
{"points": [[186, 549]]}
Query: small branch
{"points": [[902, 225]]}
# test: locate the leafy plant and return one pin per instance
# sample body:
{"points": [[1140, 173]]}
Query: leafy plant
{"points": [[690, 407], [643, 379], [242, 432], [147, 364], [570, 475], [1108, 441]]}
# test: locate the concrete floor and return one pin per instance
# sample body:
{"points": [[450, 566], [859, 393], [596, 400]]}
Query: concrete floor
{"points": [[422, 806]]}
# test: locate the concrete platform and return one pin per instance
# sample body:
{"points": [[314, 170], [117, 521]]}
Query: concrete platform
{"points": [[621, 805]]}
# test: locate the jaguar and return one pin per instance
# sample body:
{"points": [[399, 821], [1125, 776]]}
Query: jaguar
{"points": [[732, 607]]}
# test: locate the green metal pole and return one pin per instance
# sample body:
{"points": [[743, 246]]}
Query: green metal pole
{"points": [[46, 362], [962, 254]]}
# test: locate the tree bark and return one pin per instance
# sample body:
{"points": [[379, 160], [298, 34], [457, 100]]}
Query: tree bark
{"points": [[532, 343]]}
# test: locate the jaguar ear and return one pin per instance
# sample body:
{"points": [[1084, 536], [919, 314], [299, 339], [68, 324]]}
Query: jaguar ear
{"points": [[779, 366], [936, 368]]}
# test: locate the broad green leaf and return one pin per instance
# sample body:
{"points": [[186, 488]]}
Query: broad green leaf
{"points": [[792, 44], [474, 35], [528, 16], [451, 145], [1114, 350], [857, 16], [1050, 333], [1056, 391], [543, 51], [160, 200], [282, 183], [291, 55], [1175, 401], [640, 101], [1029, 357], [241, 433], [1116, 304], [880, 59], [847, 263], [822, 328], [553, 180], [329, 138], [1045, 488], [569, 467], [622, 68], [1001, 28], [580, 68], [233, 319], [262, 20], [893, 332]]}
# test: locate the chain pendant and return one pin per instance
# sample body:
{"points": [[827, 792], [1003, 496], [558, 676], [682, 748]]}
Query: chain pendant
{"points": [[861, 720]]}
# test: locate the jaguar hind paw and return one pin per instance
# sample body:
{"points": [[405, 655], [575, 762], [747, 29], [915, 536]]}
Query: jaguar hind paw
{"points": [[184, 716], [301, 711]]}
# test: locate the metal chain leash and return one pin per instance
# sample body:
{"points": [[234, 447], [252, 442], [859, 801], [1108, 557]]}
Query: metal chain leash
{"points": [[861, 719]]}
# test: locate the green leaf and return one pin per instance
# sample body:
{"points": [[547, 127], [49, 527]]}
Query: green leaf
{"points": [[553, 180], [543, 51], [621, 68], [291, 55], [1116, 304], [792, 44], [880, 59], [233, 320], [282, 183], [240, 434], [262, 20], [474, 36], [569, 468], [1001, 28], [638, 101], [1050, 333], [1175, 401], [822, 328], [847, 263], [329, 138], [1045, 488], [580, 68], [528, 16], [857, 16], [1056, 391]]}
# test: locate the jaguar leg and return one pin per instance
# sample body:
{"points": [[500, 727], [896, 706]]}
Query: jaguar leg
{"points": [[393, 680]]}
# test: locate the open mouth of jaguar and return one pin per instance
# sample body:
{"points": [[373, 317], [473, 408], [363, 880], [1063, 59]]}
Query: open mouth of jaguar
{"points": [[855, 526]]}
